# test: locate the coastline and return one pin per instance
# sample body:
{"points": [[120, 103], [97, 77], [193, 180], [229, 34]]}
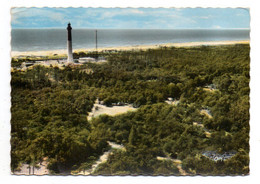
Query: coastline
{"points": [[125, 48]]}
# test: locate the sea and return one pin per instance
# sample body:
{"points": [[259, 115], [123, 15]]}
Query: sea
{"points": [[56, 39]]}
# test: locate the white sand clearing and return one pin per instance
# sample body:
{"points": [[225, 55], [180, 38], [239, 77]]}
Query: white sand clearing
{"points": [[99, 109], [25, 169]]}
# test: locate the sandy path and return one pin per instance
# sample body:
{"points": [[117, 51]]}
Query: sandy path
{"points": [[102, 159], [174, 102], [209, 90], [182, 172], [177, 162], [25, 169], [125, 48], [207, 132], [206, 113]]}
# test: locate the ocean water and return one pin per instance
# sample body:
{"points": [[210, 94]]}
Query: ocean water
{"points": [[54, 39]]}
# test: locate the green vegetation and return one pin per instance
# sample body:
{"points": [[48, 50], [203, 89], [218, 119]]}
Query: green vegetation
{"points": [[50, 106]]}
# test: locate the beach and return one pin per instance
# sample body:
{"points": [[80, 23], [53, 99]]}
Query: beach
{"points": [[125, 48]]}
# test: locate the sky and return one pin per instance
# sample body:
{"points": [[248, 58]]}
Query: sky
{"points": [[131, 18]]}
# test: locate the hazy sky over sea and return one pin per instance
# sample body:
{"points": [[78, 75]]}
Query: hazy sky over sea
{"points": [[132, 18]]}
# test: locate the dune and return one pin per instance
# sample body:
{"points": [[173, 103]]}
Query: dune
{"points": [[125, 48]]}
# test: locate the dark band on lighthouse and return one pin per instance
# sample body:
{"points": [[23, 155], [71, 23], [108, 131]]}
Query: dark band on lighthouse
{"points": [[69, 28]]}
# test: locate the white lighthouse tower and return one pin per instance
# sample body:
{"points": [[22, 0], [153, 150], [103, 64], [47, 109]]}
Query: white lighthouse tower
{"points": [[69, 45]]}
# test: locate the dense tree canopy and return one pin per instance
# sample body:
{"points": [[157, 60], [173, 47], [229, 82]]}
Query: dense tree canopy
{"points": [[50, 106]]}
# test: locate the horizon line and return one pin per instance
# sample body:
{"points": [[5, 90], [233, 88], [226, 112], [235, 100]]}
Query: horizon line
{"points": [[131, 28]]}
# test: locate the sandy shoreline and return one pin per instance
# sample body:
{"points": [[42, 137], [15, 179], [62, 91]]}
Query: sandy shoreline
{"points": [[125, 48]]}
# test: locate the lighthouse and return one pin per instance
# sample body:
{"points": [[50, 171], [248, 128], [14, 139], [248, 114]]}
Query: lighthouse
{"points": [[69, 45]]}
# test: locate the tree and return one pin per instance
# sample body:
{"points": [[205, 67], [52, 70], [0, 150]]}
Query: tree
{"points": [[132, 136]]}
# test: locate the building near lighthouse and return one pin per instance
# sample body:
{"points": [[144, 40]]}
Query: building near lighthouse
{"points": [[69, 45]]}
